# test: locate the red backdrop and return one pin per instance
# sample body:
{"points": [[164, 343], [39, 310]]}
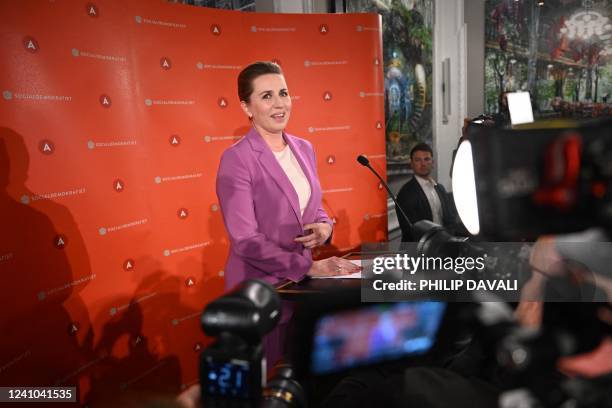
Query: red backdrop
{"points": [[113, 117]]}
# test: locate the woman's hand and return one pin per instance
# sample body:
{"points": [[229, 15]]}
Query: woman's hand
{"points": [[320, 232], [333, 266]]}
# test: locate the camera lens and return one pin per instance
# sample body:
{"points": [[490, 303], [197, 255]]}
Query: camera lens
{"points": [[283, 390]]}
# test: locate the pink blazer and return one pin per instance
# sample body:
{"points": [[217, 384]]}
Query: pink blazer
{"points": [[261, 210]]}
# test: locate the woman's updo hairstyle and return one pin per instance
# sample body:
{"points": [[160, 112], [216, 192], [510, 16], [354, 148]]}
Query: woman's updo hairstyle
{"points": [[252, 72]]}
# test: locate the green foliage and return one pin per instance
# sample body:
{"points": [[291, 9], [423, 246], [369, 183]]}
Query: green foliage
{"points": [[546, 92], [604, 82], [417, 30], [492, 86], [569, 89]]}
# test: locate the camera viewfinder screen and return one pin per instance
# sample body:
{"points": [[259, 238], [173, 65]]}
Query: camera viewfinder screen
{"points": [[374, 334], [227, 379]]}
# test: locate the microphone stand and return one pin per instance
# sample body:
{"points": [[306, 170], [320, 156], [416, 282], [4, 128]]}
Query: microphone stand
{"points": [[366, 163]]}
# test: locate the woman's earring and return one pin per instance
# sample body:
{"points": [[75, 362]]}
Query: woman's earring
{"points": [[250, 117]]}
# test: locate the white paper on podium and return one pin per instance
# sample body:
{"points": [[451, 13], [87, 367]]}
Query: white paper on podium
{"points": [[356, 275]]}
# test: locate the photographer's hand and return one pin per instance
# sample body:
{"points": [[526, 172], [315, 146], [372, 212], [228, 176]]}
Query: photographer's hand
{"points": [[545, 262], [333, 266], [545, 258], [191, 397]]}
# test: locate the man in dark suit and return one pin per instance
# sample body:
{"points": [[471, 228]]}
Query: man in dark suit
{"points": [[422, 198]]}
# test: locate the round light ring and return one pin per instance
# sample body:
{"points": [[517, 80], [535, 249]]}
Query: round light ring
{"points": [[464, 188]]}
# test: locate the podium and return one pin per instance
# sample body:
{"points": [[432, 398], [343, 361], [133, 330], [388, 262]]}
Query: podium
{"points": [[289, 290]]}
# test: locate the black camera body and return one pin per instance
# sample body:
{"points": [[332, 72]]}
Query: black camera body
{"points": [[546, 177], [233, 368]]}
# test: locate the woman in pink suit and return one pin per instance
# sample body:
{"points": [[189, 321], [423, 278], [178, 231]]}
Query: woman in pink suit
{"points": [[270, 196]]}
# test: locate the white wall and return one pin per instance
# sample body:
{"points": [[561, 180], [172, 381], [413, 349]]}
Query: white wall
{"points": [[449, 42], [291, 6]]}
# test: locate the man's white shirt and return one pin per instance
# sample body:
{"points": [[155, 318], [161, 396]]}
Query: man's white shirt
{"points": [[428, 186]]}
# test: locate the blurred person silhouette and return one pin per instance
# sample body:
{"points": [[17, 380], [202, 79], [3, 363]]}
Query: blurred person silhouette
{"points": [[44, 265]]}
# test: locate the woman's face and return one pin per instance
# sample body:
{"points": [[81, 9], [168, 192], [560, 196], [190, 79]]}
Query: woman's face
{"points": [[270, 103]]}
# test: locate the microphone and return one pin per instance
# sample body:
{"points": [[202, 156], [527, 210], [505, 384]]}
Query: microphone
{"points": [[364, 161]]}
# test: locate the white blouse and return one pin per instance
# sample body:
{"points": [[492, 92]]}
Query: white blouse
{"points": [[296, 175]]}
